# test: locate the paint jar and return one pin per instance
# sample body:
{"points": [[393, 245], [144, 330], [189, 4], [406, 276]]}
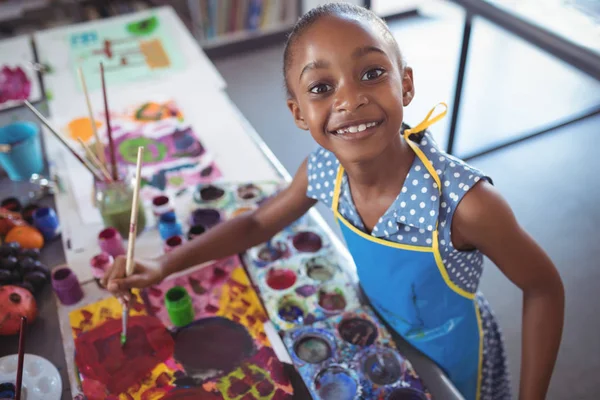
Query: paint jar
{"points": [[210, 194], [168, 226], [332, 299], [100, 264], [179, 306], [161, 205], [335, 383], [28, 211], [307, 242], [406, 394], [382, 366], [249, 193], [114, 200], [66, 286], [314, 346], [195, 231], [11, 204], [20, 150], [46, 221], [111, 242], [171, 243], [207, 217]]}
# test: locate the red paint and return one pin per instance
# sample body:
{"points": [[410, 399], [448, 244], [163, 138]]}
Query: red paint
{"points": [[280, 279], [100, 356]]}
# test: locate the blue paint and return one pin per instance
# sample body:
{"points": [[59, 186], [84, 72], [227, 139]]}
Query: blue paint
{"points": [[291, 313], [335, 383], [7, 390], [168, 226], [25, 156], [46, 221]]}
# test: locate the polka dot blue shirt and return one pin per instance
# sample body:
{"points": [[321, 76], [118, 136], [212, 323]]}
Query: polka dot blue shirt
{"points": [[413, 215]]}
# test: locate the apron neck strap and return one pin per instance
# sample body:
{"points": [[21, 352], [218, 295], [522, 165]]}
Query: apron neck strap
{"points": [[428, 121]]}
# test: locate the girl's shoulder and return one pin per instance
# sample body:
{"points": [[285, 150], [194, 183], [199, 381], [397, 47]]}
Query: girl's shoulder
{"points": [[322, 166]]}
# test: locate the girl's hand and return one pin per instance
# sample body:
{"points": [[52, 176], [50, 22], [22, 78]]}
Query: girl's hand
{"points": [[145, 274]]}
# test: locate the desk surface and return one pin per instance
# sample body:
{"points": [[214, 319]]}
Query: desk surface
{"points": [[562, 31]]}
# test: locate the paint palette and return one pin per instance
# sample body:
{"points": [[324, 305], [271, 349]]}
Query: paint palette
{"points": [[352, 356], [232, 199], [41, 380], [300, 278], [223, 354]]}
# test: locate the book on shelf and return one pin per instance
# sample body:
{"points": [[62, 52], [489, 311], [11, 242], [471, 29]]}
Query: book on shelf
{"points": [[223, 17]]}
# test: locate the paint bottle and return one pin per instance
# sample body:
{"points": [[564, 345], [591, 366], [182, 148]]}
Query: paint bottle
{"points": [[207, 217], [46, 221], [161, 205], [100, 264], [169, 226], [111, 242], [66, 286], [179, 306], [195, 231], [171, 243]]}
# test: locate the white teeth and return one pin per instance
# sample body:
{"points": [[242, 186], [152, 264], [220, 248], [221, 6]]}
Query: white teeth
{"points": [[356, 128]]}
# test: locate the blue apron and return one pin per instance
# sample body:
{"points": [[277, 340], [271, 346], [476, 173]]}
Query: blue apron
{"points": [[410, 288]]}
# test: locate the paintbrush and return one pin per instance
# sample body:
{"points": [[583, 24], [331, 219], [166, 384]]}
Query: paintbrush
{"points": [[99, 146], [21, 357], [111, 144], [94, 160], [132, 233], [46, 123]]}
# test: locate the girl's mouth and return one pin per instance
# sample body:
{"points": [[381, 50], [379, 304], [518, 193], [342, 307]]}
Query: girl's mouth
{"points": [[357, 130]]}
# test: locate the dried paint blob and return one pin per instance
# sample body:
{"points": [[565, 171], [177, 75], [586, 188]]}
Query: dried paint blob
{"points": [[320, 269], [281, 278], [291, 310], [211, 193], [406, 394], [212, 346], [382, 367], [313, 349], [332, 299], [308, 242], [336, 383], [306, 290], [358, 331], [249, 192]]}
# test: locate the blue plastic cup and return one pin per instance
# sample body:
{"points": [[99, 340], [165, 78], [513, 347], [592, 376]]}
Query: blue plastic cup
{"points": [[20, 150]]}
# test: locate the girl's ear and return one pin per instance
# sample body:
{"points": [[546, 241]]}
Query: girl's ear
{"points": [[297, 114], [408, 87]]}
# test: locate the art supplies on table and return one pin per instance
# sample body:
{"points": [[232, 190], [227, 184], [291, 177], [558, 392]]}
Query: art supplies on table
{"points": [[223, 353], [352, 356], [41, 379]]}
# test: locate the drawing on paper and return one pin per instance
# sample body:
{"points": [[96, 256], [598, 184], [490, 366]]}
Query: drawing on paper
{"points": [[129, 51], [223, 354]]}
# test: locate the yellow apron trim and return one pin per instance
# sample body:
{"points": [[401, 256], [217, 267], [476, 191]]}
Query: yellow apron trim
{"points": [[426, 123], [444, 272], [480, 367], [336, 189], [427, 163], [423, 249]]}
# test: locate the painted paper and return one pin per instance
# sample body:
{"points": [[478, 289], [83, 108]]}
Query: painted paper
{"points": [[18, 79]]}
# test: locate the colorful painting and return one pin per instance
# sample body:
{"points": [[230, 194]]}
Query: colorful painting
{"points": [[130, 51], [173, 159], [352, 356], [19, 79], [223, 354]]}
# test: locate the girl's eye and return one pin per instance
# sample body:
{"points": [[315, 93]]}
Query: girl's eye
{"points": [[320, 88], [372, 74]]}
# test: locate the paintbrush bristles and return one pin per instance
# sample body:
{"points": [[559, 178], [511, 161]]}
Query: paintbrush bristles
{"points": [[94, 160], [46, 123], [98, 147]]}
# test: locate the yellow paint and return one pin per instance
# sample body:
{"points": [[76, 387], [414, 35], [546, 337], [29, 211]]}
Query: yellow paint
{"points": [[82, 128]]}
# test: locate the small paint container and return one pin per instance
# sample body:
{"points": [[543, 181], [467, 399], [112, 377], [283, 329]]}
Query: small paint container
{"points": [[11, 204], [291, 310], [332, 299], [168, 226], [7, 391], [172, 242], [358, 331], [210, 194], [336, 382], [314, 346], [195, 231], [381, 365], [281, 278], [66, 286], [249, 193], [111, 242], [28, 211], [307, 242], [179, 306], [161, 205], [271, 251], [100, 264], [46, 221], [207, 217]]}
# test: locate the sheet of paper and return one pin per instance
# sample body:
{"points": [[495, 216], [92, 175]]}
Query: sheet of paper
{"points": [[18, 78]]}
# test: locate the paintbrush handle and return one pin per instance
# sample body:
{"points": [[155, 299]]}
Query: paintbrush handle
{"points": [[97, 163], [134, 213], [46, 123], [111, 144], [21, 357], [99, 146]]}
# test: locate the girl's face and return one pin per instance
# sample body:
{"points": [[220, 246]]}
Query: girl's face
{"points": [[348, 88]]}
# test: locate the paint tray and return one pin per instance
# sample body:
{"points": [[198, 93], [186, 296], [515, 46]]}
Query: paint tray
{"points": [[223, 353], [340, 358]]}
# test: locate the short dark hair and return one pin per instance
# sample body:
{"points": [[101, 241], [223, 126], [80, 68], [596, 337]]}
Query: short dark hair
{"points": [[330, 9]]}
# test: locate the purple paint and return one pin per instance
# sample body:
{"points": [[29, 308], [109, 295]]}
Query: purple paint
{"points": [[306, 290], [66, 286], [111, 242], [307, 241], [211, 193], [207, 217]]}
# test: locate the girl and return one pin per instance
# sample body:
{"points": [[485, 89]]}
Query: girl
{"points": [[416, 220]]}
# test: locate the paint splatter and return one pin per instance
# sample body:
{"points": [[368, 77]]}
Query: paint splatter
{"points": [[306, 290]]}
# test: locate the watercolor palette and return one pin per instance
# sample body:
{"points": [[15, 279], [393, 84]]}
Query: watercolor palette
{"points": [[300, 278], [223, 354], [352, 356]]}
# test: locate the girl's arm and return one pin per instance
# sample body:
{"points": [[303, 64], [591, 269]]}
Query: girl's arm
{"points": [[225, 239], [485, 221]]}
